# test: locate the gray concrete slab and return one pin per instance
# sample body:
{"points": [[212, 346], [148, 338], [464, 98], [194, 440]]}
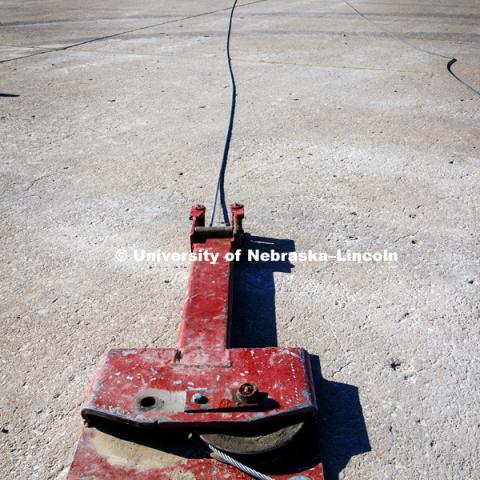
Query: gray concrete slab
{"points": [[345, 137]]}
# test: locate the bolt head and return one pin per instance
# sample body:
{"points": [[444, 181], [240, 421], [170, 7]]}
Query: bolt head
{"points": [[247, 392]]}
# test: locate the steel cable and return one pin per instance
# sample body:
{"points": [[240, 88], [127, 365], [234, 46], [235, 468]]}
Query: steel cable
{"points": [[220, 189], [223, 457]]}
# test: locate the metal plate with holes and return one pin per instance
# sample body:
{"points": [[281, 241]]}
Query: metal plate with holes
{"points": [[150, 387]]}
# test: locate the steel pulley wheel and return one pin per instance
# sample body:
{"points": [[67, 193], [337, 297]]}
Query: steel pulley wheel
{"points": [[254, 441]]}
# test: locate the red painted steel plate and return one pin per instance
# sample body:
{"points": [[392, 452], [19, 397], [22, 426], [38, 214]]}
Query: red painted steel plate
{"points": [[127, 381]]}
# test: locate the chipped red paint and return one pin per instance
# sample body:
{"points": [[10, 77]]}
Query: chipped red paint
{"points": [[126, 377], [196, 384]]}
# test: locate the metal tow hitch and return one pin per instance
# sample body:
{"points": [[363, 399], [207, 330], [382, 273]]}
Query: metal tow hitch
{"points": [[247, 402]]}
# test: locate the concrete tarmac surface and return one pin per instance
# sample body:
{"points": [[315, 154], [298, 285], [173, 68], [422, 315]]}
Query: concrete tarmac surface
{"points": [[350, 134]]}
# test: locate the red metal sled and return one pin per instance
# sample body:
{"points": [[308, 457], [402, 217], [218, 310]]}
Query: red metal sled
{"points": [[200, 384]]}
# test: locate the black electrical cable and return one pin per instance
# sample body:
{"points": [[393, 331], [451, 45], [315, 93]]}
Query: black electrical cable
{"points": [[451, 59], [220, 190], [454, 75]]}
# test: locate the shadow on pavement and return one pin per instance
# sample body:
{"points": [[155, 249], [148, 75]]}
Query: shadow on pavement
{"points": [[340, 431]]}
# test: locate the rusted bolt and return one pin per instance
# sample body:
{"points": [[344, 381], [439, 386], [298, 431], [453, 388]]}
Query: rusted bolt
{"points": [[237, 205], [199, 206], [247, 393], [199, 398]]}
